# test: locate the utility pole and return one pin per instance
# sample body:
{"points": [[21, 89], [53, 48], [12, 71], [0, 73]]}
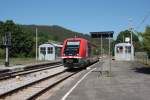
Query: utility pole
{"points": [[36, 44], [109, 55], [130, 29]]}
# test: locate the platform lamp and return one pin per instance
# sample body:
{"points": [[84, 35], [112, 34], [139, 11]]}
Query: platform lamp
{"points": [[101, 35]]}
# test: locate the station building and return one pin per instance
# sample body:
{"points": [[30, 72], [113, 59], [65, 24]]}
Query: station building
{"points": [[124, 52], [49, 51]]}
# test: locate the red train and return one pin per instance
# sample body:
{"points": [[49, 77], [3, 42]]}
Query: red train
{"points": [[77, 53]]}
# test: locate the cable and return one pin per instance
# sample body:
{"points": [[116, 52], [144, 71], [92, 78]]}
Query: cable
{"points": [[146, 16]]}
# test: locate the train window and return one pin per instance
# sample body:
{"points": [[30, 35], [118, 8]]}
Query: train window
{"points": [[119, 49], [43, 50], [127, 49], [89, 50], [50, 50]]}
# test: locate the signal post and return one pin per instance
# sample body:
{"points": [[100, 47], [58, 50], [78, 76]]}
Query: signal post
{"points": [[7, 45]]}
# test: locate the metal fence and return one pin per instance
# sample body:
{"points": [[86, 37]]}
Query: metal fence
{"points": [[142, 57]]}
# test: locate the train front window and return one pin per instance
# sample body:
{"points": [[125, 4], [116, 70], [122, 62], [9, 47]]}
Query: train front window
{"points": [[72, 48]]}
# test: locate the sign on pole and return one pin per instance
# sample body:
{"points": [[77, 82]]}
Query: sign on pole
{"points": [[104, 34]]}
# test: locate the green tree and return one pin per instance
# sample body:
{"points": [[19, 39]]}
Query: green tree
{"points": [[2, 53], [123, 34], [146, 39], [55, 38], [23, 36], [22, 42]]}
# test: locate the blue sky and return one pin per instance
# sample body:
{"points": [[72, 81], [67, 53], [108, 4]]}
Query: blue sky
{"points": [[79, 15]]}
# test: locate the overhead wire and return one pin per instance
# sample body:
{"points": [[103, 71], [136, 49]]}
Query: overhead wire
{"points": [[144, 19]]}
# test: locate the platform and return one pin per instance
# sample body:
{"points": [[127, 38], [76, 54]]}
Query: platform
{"points": [[22, 67], [129, 81]]}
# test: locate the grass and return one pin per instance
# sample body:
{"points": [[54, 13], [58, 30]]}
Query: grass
{"points": [[22, 61]]}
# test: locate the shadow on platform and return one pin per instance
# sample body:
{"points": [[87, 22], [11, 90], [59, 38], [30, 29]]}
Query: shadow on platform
{"points": [[144, 70]]}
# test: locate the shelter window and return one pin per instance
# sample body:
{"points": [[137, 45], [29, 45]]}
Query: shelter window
{"points": [[43, 50], [50, 50], [120, 49], [127, 49]]}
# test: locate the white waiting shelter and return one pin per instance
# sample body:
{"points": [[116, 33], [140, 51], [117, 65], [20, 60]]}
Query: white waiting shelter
{"points": [[49, 51], [124, 52]]}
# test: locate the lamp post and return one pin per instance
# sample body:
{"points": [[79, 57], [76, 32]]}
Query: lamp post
{"points": [[130, 28]]}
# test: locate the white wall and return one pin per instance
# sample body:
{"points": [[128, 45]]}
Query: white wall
{"points": [[124, 55], [47, 56]]}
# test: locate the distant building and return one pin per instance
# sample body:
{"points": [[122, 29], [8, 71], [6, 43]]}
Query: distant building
{"points": [[49, 51], [124, 52]]}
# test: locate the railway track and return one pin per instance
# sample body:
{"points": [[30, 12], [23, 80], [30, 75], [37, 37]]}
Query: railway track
{"points": [[34, 89], [32, 86], [28, 70]]}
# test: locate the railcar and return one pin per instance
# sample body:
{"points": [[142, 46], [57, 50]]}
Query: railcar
{"points": [[77, 53]]}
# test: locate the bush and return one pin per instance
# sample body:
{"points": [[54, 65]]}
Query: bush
{"points": [[2, 53]]}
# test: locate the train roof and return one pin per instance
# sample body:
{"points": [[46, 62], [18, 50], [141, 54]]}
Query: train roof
{"points": [[83, 40], [49, 44], [76, 39]]}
